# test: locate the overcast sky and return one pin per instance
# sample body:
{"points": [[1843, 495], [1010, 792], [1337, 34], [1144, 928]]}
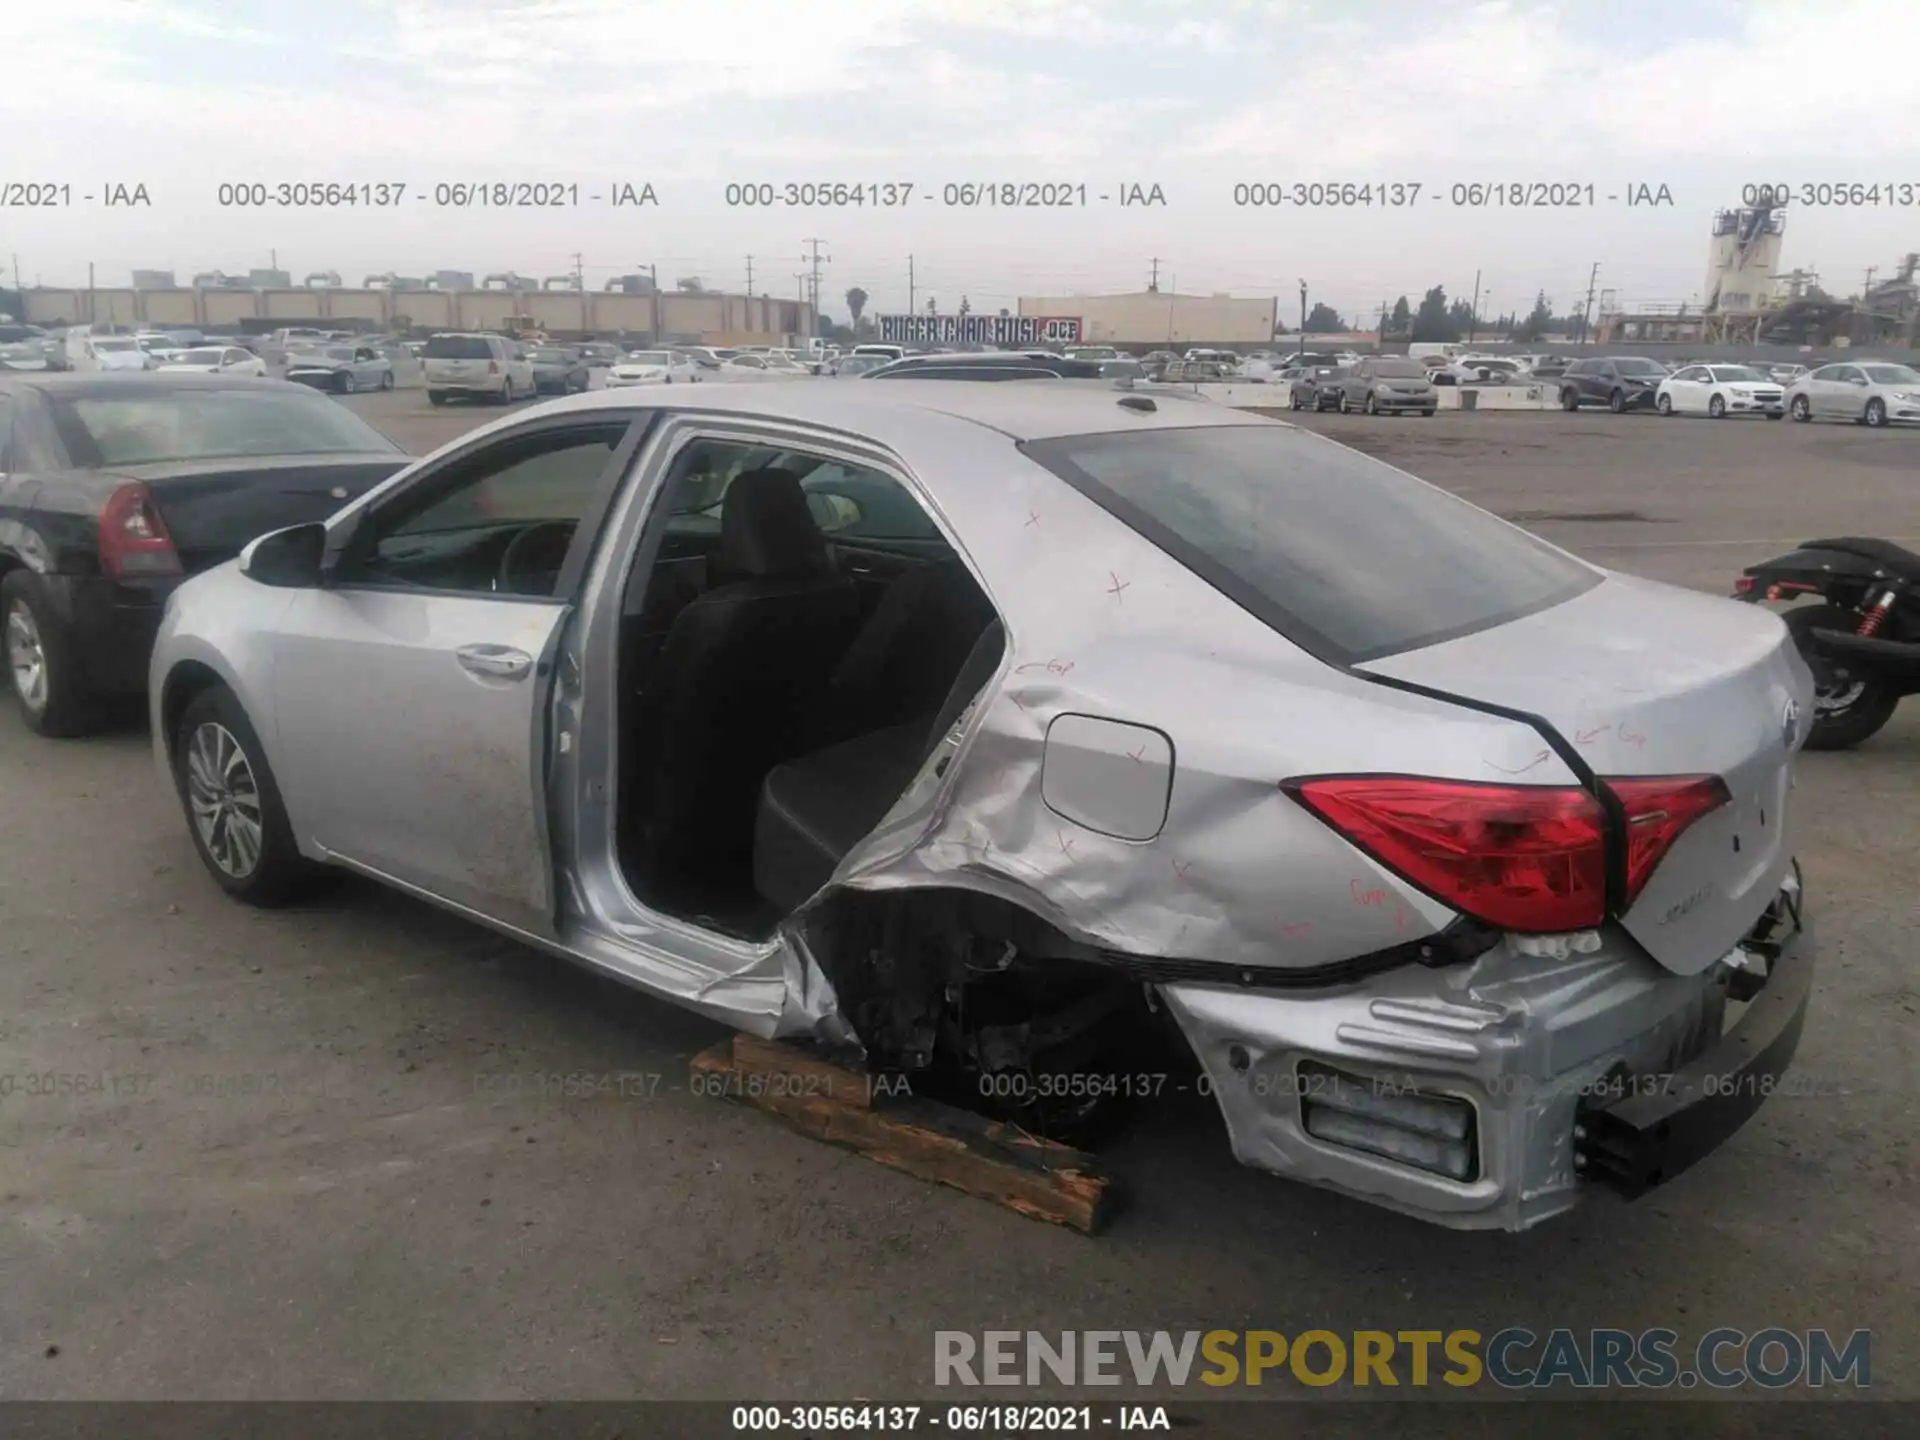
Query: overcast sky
{"points": [[1701, 96]]}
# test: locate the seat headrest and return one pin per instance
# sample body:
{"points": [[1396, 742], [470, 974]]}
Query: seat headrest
{"points": [[766, 528]]}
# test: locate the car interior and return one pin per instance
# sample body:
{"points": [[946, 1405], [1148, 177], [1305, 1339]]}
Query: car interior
{"points": [[803, 639]]}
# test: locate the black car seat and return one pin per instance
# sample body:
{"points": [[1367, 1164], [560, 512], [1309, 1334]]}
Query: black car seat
{"points": [[815, 809], [736, 680]]}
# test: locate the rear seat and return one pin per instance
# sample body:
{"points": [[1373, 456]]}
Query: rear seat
{"points": [[815, 809]]}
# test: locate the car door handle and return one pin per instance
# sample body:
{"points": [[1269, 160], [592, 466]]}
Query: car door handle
{"points": [[499, 662]]}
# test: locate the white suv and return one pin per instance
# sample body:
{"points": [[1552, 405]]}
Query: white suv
{"points": [[476, 367]]}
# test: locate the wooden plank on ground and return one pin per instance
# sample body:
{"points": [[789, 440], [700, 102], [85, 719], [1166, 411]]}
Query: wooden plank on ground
{"points": [[925, 1138]]}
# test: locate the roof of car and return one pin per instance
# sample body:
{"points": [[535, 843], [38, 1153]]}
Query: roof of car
{"points": [[1036, 410], [127, 382]]}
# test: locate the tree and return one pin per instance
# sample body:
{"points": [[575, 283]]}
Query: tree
{"points": [[1324, 319], [966, 307], [1400, 322], [856, 302], [1539, 321], [1432, 321], [1460, 316]]}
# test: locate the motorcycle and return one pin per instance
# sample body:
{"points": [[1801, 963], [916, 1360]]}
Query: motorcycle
{"points": [[1862, 643]]}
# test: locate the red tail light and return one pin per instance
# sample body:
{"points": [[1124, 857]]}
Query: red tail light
{"points": [[133, 538], [1659, 809], [1744, 585], [1530, 858], [493, 367]]}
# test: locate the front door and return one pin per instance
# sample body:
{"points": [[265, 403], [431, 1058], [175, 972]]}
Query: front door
{"points": [[412, 689]]}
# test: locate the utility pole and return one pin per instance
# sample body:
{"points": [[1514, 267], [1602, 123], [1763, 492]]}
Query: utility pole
{"points": [[799, 299], [1153, 280], [1473, 311], [1586, 311], [813, 288], [909, 284], [749, 277], [653, 284], [92, 311], [579, 272], [1866, 286], [1303, 317]]}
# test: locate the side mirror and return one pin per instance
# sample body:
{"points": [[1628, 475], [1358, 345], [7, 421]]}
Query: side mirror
{"points": [[289, 559]]}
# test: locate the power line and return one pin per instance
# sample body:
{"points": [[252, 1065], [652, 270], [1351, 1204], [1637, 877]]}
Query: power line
{"points": [[816, 257]]}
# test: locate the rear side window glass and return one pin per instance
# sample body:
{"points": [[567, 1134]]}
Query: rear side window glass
{"points": [[458, 347], [1346, 556]]}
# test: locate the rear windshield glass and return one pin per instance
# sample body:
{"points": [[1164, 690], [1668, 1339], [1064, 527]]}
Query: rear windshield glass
{"points": [[1639, 367], [458, 347], [1739, 373], [1399, 370], [1343, 554], [168, 425]]}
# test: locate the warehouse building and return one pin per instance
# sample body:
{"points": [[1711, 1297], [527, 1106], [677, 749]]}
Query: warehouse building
{"points": [[1161, 317]]}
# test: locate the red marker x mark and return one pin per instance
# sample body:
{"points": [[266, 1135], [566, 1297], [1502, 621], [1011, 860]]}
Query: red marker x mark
{"points": [[1033, 518], [1066, 845], [1180, 871], [1117, 586], [1139, 757]]}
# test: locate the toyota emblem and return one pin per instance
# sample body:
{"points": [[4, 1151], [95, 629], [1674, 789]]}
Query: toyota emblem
{"points": [[1790, 723]]}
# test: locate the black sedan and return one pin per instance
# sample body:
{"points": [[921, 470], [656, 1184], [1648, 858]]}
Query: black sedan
{"points": [[558, 369], [1314, 387], [114, 488]]}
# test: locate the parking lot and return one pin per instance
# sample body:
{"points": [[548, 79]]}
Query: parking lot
{"points": [[325, 1165]]}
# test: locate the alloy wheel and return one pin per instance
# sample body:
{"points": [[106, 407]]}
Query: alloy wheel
{"points": [[224, 799], [26, 656]]}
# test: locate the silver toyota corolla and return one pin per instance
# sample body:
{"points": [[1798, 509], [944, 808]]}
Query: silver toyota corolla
{"points": [[977, 729]]}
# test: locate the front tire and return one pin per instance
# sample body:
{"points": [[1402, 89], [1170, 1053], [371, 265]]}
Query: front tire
{"points": [[1373, 406], [1716, 409], [1846, 708], [1802, 411], [1569, 400], [344, 385], [1617, 402], [1665, 405], [386, 381], [1342, 405], [42, 668], [1876, 414], [232, 803], [1294, 401], [436, 397], [506, 391]]}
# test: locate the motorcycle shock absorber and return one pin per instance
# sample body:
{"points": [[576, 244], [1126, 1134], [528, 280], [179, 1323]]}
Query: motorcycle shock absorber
{"points": [[1876, 613]]}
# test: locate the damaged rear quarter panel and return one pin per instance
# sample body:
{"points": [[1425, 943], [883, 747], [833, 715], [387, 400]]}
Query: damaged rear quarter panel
{"points": [[1102, 623]]}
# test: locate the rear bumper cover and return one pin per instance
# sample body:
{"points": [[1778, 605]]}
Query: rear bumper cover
{"points": [[112, 626], [1592, 1069]]}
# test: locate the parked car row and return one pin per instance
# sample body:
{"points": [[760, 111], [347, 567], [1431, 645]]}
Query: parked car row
{"points": [[1378, 385]]}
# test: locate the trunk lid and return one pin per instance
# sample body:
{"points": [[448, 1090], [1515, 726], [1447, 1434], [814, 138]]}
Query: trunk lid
{"points": [[213, 508], [1643, 679]]}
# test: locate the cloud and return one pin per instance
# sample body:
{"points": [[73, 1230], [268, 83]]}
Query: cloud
{"points": [[184, 93]]}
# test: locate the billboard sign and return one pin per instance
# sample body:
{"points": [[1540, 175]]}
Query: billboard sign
{"points": [[979, 329]]}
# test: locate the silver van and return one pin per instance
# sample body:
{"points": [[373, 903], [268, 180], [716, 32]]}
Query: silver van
{"points": [[476, 367]]}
